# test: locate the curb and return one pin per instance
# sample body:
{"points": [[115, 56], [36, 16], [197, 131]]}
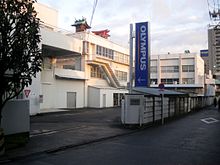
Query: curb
{"points": [[7, 159]]}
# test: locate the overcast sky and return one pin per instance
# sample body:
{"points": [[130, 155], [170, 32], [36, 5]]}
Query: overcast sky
{"points": [[175, 25]]}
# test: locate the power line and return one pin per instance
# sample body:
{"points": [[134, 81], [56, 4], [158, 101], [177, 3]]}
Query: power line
{"points": [[93, 11]]}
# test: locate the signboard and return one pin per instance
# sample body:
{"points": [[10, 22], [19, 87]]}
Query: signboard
{"points": [[27, 92], [41, 98], [141, 54], [204, 53]]}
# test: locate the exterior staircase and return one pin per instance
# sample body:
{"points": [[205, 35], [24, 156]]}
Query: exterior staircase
{"points": [[112, 74], [108, 72]]}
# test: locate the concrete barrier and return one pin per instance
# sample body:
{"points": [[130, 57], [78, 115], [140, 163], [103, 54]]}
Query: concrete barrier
{"points": [[16, 117]]}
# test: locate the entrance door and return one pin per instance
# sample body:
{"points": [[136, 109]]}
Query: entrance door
{"points": [[104, 100], [71, 99]]}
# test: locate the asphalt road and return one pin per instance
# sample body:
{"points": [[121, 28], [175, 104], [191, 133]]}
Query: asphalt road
{"points": [[194, 139]]}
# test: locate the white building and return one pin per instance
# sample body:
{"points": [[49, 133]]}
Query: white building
{"points": [[85, 69], [183, 72], [80, 69]]}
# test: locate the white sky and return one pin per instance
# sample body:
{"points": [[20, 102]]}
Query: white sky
{"points": [[175, 25]]}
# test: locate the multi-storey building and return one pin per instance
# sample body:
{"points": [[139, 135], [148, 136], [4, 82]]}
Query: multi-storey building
{"points": [[214, 54], [183, 72], [80, 69], [214, 50]]}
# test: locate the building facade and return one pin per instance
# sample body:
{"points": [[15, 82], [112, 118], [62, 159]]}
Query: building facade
{"points": [[182, 72], [214, 54], [214, 50], [80, 69]]}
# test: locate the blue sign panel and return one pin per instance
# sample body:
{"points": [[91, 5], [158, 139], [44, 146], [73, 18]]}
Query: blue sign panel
{"points": [[204, 53], [141, 55]]}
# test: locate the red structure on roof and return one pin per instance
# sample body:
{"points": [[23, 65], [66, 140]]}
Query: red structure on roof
{"points": [[102, 33]]}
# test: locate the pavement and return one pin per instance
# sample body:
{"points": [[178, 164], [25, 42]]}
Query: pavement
{"points": [[57, 131]]}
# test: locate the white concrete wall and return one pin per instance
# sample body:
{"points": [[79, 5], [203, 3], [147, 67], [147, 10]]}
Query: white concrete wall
{"points": [[200, 70], [97, 82], [64, 86], [59, 40], [55, 91], [109, 98], [69, 73], [95, 96], [46, 14]]}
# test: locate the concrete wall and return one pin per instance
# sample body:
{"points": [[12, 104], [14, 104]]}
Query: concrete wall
{"points": [[55, 90], [96, 96], [55, 95], [59, 40], [108, 98], [46, 14], [15, 117]]}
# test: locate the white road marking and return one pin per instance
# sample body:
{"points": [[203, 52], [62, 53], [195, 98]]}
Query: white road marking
{"points": [[44, 133], [209, 120]]}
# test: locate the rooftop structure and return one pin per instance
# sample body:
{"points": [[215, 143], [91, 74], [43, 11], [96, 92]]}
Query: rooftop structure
{"points": [[81, 25]]}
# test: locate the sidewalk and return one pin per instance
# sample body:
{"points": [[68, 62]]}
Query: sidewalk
{"points": [[51, 132]]}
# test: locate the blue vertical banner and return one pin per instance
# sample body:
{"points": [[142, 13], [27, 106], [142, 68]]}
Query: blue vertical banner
{"points": [[204, 53], [141, 55]]}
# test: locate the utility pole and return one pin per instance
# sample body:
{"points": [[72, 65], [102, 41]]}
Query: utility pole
{"points": [[131, 59]]}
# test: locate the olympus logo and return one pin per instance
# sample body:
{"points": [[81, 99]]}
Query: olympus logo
{"points": [[143, 49]]}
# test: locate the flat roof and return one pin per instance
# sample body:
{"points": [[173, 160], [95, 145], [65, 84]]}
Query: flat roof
{"points": [[158, 92]]}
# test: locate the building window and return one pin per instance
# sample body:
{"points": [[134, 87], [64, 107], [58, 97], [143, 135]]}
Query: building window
{"points": [[72, 67], [188, 81], [170, 81], [121, 76], [153, 81], [188, 68], [47, 63], [153, 69], [65, 63], [85, 47], [169, 69], [96, 72], [105, 52], [120, 57]]}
